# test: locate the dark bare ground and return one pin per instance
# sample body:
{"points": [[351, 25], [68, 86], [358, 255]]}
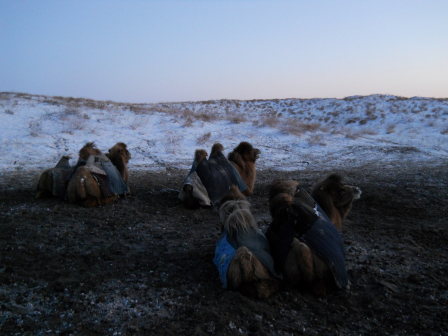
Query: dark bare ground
{"points": [[143, 266]]}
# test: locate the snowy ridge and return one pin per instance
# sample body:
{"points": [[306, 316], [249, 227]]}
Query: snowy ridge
{"points": [[292, 134]]}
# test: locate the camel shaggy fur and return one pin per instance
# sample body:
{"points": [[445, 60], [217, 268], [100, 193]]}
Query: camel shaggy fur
{"points": [[292, 234], [243, 157], [120, 156], [245, 272], [83, 188]]}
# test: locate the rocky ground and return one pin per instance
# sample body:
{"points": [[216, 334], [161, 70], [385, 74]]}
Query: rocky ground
{"points": [[143, 265]]}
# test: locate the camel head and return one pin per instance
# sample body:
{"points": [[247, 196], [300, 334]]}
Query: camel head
{"points": [[247, 152], [119, 152], [332, 193], [88, 149]]}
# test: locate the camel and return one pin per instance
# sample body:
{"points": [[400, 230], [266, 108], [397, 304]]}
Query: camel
{"points": [[53, 181], [242, 253], [334, 197], [210, 179], [89, 185], [306, 243]]}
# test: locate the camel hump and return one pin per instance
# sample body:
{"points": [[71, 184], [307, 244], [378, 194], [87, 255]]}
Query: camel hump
{"points": [[64, 162]]}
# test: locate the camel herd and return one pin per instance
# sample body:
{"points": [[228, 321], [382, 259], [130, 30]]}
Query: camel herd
{"points": [[302, 247]]}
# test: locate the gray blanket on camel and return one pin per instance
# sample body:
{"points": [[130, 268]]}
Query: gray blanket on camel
{"points": [[212, 178]]}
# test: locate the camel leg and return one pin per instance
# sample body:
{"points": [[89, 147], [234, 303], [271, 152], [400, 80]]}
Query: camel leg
{"points": [[299, 265]]}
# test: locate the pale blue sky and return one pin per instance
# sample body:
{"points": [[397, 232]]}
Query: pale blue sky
{"points": [[153, 51]]}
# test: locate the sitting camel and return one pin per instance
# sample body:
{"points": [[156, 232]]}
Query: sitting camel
{"points": [[242, 253], [53, 181], [210, 179], [305, 243], [334, 197], [100, 179]]}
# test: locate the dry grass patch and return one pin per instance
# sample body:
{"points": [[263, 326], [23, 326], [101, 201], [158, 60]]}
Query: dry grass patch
{"points": [[237, 119], [35, 128], [191, 116], [359, 133], [138, 121], [139, 109], [297, 127], [72, 119], [204, 138], [171, 141], [390, 129], [188, 122], [316, 139], [271, 121], [69, 112], [207, 117]]}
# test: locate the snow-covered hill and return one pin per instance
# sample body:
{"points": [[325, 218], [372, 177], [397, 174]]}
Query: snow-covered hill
{"points": [[292, 134]]}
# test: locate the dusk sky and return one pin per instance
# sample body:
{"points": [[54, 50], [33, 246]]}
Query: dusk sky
{"points": [[155, 51]]}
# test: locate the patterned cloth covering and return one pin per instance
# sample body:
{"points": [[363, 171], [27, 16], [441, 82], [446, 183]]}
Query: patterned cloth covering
{"points": [[313, 227], [254, 240], [211, 179]]}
